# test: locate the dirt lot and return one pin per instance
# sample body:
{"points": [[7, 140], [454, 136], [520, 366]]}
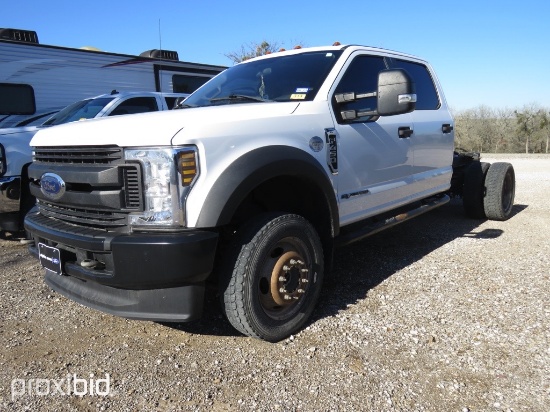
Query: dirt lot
{"points": [[440, 313]]}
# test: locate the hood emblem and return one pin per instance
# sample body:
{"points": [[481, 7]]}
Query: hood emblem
{"points": [[52, 186]]}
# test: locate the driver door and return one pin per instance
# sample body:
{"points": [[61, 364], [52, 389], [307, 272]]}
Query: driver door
{"points": [[375, 157]]}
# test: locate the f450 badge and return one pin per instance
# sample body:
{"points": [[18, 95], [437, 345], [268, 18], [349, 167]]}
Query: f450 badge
{"points": [[332, 150]]}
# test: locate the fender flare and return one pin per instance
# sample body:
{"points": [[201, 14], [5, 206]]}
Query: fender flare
{"points": [[255, 167]]}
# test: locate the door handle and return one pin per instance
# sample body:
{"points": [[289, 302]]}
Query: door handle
{"points": [[404, 132], [447, 128]]}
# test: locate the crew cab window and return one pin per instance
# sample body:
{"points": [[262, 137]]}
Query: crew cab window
{"points": [[426, 93], [361, 77], [136, 105]]}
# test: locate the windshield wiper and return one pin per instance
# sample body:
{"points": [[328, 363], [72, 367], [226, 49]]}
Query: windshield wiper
{"points": [[183, 106], [240, 97]]}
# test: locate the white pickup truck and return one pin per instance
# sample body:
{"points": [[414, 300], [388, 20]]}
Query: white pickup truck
{"points": [[16, 154], [251, 184]]}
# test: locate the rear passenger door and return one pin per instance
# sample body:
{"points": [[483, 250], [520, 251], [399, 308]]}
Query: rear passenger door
{"points": [[433, 138]]}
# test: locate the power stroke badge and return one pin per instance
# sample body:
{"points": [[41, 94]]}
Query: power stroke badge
{"points": [[52, 186]]}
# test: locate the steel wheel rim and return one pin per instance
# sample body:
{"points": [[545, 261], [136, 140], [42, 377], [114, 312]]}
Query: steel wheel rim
{"points": [[285, 278]]}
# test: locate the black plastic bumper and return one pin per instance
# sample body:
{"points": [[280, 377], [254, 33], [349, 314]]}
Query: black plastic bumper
{"points": [[155, 276], [178, 304]]}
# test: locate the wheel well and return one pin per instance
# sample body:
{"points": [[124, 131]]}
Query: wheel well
{"points": [[291, 194], [287, 194]]}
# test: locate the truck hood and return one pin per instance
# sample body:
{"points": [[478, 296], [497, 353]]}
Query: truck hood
{"points": [[158, 128]]}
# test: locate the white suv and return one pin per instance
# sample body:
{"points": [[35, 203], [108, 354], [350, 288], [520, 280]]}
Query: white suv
{"points": [[15, 152]]}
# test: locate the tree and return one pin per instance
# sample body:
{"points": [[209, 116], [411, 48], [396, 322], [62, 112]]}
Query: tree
{"points": [[252, 50], [544, 124]]}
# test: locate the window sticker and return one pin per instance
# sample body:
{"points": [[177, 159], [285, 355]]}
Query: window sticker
{"points": [[302, 90], [298, 96]]}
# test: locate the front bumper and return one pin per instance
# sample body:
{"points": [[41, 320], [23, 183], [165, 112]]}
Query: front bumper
{"points": [[154, 276]]}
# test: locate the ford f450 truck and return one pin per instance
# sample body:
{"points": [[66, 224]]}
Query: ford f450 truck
{"points": [[251, 184]]}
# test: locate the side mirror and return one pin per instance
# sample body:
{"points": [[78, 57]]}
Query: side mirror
{"points": [[178, 104], [396, 92]]}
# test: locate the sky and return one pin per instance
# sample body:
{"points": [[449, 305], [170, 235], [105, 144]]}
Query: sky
{"points": [[493, 53]]}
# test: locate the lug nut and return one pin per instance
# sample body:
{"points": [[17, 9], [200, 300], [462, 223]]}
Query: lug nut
{"points": [[305, 270], [304, 280], [300, 291], [282, 290], [287, 297], [282, 279], [286, 268]]}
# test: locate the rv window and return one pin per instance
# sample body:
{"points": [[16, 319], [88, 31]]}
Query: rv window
{"points": [[187, 84], [17, 99]]}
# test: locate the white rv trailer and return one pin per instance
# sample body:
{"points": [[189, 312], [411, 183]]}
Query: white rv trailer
{"points": [[36, 78]]}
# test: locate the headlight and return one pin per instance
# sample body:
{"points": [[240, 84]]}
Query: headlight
{"points": [[167, 178]]}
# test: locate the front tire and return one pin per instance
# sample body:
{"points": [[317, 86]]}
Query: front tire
{"points": [[273, 277]]}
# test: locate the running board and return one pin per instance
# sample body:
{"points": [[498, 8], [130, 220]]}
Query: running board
{"points": [[375, 227]]}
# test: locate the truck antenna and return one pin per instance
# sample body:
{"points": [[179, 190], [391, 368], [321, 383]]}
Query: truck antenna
{"points": [[160, 59]]}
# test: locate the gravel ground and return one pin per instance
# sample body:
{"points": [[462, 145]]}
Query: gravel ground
{"points": [[441, 313]]}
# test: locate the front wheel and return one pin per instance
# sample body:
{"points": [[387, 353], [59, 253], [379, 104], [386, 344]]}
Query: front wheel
{"points": [[273, 276]]}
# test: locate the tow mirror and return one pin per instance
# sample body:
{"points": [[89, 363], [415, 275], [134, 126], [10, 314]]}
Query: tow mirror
{"points": [[395, 95], [396, 92]]}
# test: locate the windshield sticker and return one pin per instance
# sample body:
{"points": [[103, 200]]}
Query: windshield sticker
{"points": [[302, 90], [298, 96]]}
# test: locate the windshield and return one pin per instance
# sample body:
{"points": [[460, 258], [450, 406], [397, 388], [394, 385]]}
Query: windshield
{"points": [[281, 79], [84, 109]]}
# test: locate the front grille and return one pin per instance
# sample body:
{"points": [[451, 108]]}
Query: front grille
{"points": [[97, 219], [79, 155], [101, 189]]}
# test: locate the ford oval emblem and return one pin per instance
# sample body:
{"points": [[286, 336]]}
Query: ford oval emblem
{"points": [[52, 186], [316, 144]]}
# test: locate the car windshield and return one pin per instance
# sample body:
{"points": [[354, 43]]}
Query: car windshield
{"points": [[84, 109], [295, 77]]}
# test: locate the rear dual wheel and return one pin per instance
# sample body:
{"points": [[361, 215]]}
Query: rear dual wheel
{"points": [[273, 277], [489, 190], [501, 189]]}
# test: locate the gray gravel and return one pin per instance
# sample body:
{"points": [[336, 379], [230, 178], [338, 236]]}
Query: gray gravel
{"points": [[441, 313]]}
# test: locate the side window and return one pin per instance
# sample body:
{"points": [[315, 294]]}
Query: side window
{"points": [[17, 99], [187, 84], [426, 93], [136, 105], [361, 77]]}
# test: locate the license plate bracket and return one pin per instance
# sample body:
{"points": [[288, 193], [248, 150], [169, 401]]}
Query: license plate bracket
{"points": [[50, 258]]}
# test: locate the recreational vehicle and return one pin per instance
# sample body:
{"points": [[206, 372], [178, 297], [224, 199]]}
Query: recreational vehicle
{"points": [[39, 78]]}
